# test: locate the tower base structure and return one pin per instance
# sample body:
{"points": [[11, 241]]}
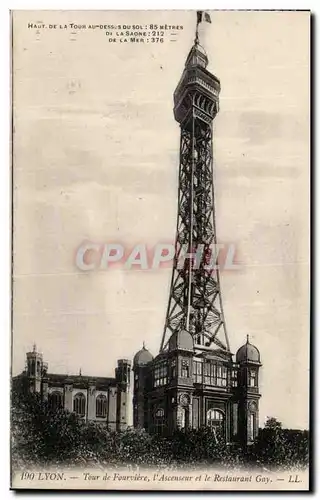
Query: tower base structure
{"points": [[180, 389]]}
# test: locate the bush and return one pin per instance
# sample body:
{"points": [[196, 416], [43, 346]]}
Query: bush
{"points": [[42, 436], [282, 448]]}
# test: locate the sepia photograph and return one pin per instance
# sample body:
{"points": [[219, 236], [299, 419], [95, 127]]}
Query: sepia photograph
{"points": [[160, 250]]}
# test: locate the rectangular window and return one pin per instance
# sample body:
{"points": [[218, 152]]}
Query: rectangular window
{"points": [[173, 368], [222, 373], [197, 372], [207, 373], [210, 373], [184, 370], [235, 419], [234, 378], [252, 429], [200, 340], [252, 378], [160, 375]]}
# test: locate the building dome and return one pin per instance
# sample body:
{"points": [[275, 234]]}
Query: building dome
{"points": [[181, 340], [248, 352], [142, 357]]}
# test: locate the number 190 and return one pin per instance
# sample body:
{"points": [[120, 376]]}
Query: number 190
{"points": [[27, 475]]}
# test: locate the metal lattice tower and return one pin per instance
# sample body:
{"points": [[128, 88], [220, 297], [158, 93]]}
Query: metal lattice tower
{"points": [[195, 297]]}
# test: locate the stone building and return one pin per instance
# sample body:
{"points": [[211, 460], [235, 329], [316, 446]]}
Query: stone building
{"points": [[100, 399], [180, 388]]}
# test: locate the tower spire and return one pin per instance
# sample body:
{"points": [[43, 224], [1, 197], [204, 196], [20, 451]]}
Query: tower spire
{"points": [[196, 39]]}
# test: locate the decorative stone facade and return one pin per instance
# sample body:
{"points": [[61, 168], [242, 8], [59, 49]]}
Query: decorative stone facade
{"points": [[182, 389], [100, 399]]}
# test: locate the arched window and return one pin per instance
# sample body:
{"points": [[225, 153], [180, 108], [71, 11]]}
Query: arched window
{"points": [[160, 413], [56, 400], [183, 417], [79, 404], [215, 420], [101, 406]]}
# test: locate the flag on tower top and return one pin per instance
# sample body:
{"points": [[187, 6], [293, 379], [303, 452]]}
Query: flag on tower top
{"points": [[203, 16]]}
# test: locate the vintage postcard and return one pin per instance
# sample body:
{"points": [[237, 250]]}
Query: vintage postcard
{"points": [[160, 279]]}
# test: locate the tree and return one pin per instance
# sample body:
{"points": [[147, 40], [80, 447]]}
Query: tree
{"points": [[273, 424], [280, 447]]}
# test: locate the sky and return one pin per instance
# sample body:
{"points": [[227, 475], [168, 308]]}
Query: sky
{"points": [[96, 153]]}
